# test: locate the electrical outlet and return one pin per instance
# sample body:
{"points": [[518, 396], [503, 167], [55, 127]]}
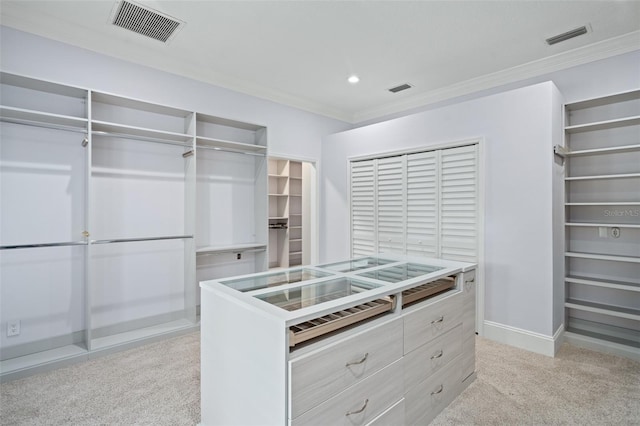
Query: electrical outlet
{"points": [[13, 328]]}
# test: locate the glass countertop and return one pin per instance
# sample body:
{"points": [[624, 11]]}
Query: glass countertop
{"points": [[355, 265], [314, 294], [274, 279], [397, 273]]}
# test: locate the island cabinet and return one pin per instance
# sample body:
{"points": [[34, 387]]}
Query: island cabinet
{"points": [[378, 340]]}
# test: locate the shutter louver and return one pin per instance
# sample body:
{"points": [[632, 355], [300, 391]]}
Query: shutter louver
{"points": [[363, 208], [391, 210], [458, 204], [422, 204]]}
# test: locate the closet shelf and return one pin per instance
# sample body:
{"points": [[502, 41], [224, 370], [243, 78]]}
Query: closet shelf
{"points": [[593, 256], [225, 144], [605, 225], [278, 176], [623, 340], [104, 128], [595, 282], [599, 151], [231, 248], [278, 195], [42, 119], [602, 125], [600, 177], [608, 203], [599, 308]]}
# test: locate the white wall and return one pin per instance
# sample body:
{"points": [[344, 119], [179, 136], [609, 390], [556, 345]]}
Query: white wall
{"points": [[292, 132], [517, 129]]}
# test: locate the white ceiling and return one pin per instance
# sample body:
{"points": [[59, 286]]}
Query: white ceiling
{"points": [[300, 53]]}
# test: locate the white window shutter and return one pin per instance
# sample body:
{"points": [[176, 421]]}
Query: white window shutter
{"points": [[422, 204], [363, 208], [459, 203], [390, 197]]}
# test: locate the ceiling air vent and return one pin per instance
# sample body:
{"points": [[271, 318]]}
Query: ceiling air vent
{"points": [[400, 88], [566, 36], [145, 21]]}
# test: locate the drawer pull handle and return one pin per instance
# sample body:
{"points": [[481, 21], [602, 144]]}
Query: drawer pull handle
{"points": [[366, 401], [472, 280], [438, 391], [437, 356], [438, 320], [360, 361]]}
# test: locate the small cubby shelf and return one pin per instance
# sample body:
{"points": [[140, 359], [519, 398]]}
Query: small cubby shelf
{"points": [[602, 259]]}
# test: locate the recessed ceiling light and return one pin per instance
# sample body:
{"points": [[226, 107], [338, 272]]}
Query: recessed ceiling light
{"points": [[353, 79]]}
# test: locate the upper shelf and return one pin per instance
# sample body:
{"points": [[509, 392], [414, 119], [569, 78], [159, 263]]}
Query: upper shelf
{"points": [[229, 145], [601, 125], [608, 150], [45, 119]]}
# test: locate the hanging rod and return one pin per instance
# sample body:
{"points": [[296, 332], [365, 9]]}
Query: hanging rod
{"points": [[217, 252], [140, 138], [129, 240], [215, 148], [24, 246], [33, 123]]}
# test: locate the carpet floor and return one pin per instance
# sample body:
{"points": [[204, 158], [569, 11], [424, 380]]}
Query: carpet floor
{"points": [[159, 384]]}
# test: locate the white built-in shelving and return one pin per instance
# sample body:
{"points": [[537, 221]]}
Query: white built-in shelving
{"points": [[286, 230], [112, 209], [602, 227]]}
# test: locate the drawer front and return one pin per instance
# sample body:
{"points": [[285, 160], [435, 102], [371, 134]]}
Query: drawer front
{"points": [[469, 356], [425, 401], [469, 303], [421, 363], [361, 403], [430, 321], [394, 416], [317, 376]]}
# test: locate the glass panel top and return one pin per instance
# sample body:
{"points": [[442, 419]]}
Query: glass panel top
{"points": [[356, 265], [313, 294], [395, 274], [275, 279]]}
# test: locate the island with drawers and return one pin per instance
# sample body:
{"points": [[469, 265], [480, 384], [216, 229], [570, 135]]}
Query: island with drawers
{"points": [[378, 340]]}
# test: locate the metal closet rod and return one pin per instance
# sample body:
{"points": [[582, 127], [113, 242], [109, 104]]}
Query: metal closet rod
{"points": [[215, 148], [24, 246], [129, 240], [219, 252], [141, 138], [43, 124]]}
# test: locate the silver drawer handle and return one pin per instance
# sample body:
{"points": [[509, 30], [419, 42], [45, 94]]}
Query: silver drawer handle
{"points": [[437, 356], [438, 320], [360, 361], [366, 401], [438, 391]]}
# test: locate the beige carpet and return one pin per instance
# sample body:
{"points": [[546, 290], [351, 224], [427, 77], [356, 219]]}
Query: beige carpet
{"points": [[159, 384]]}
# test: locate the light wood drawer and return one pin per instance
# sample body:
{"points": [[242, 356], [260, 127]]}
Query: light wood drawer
{"points": [[430, 321], [394, 416], [319, 375], [431, 357], [425, 401], [361, 403], [469, 355]]}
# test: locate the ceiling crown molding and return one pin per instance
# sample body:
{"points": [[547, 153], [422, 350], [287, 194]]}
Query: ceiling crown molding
{"points": [[579, 56]]}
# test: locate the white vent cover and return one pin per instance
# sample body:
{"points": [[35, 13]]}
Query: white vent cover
{"points": [[144, 20]]}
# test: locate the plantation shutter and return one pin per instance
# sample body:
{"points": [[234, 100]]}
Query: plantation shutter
{"points": [[458, 204], [363, 208], [422, 204], [391, 210]]}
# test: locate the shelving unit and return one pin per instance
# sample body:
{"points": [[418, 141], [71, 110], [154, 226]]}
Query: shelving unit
{"points": [[231, 200], [602, 226], [285, 213], [112, 210]]}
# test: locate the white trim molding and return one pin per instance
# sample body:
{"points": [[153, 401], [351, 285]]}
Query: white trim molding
{"points": [[524, 339]]}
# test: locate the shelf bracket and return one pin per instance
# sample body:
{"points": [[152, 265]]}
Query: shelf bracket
{"points": [[561, 152]]}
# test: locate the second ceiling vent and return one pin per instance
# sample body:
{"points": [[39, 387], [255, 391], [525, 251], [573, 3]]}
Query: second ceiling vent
{"points": [[400, 88], [146, 21]]}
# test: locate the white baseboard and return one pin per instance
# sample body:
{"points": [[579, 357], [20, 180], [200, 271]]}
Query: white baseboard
{"points": [[524, 339]]}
